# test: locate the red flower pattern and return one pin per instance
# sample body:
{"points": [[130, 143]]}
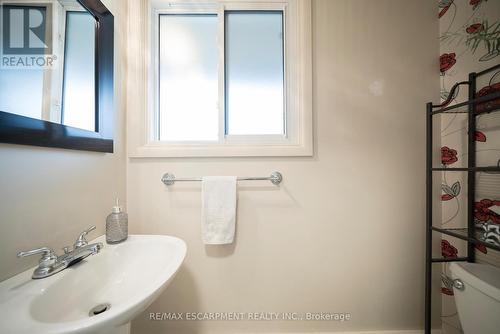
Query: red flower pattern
{"points": [[489, 105], [475, 28], [447, 5], [481, 248], [446, 61], [446, 197], [475, 3], [447, 250], [483, 213], [481, 137], [448, 155], [443, 11]]}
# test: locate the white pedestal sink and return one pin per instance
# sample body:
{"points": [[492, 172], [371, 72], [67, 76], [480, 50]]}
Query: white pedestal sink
{"points": [[126, 277]]}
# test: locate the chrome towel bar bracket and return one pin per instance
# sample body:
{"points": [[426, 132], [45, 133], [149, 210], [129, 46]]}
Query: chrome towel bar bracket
{"points": [[275, 178]]}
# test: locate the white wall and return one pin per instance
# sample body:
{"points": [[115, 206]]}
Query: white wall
{"points": [[345, 231], [48, 196]]}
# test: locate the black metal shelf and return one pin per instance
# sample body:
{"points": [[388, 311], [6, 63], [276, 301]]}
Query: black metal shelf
{"points": [[473, 107], [466, 169], [480, 101], [451, 259], [463, 233], [488, 70]]}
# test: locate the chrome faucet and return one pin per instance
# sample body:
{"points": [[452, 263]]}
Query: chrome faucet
{"points": [[51, 263], [81, 241]]}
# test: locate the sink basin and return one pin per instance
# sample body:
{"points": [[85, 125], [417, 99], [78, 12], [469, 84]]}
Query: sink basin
{"points": [[101, 294]]}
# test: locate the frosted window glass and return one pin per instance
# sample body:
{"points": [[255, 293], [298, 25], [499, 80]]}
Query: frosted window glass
{"points": [[188, 83], [21, 92], [79, 58], [254, 73]]}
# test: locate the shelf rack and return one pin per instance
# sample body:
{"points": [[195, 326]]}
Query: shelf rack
{"points": [[469, 234]]}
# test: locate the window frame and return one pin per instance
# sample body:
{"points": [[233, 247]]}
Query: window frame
{"points": [[297, 139]]}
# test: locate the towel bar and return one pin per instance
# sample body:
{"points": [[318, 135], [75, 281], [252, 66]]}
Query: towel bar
{"points": [[275, 178]]}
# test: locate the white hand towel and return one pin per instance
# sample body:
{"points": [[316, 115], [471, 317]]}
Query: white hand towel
{"points": [[218, 213]]}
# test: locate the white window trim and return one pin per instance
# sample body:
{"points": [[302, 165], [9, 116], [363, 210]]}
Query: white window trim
{"points": [[142, 78]]}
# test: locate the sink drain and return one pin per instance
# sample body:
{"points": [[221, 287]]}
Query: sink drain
{"points": [[101, 308]]}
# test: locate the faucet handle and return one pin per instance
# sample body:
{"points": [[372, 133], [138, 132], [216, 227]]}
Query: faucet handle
{"points": [[81, 241], [49, 257]]}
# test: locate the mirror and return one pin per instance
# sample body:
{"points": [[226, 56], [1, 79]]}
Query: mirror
{"points": [[56, 67], [61, 91]]}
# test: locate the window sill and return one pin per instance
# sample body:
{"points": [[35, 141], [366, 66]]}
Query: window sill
{"points": [[161, 150]]}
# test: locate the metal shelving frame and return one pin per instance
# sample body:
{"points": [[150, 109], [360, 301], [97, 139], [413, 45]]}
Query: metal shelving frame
{"points": [[468, 234]]}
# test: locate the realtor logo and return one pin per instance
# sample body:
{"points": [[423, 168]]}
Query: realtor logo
{"points": [[27, 35], [26, 29]]}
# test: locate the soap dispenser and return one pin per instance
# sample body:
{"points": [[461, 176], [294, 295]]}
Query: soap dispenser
{"points": [[116, 225]]}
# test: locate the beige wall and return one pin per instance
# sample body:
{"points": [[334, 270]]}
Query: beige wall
{"points": [[48, 196], [345, 231]]}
